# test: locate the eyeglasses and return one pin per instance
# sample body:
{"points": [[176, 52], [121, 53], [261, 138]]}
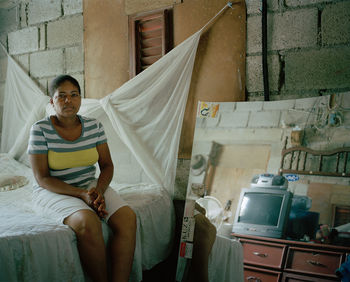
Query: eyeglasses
{"points": [[63, 97]]}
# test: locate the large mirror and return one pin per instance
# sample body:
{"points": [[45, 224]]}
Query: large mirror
{"points": [[236, 141]]}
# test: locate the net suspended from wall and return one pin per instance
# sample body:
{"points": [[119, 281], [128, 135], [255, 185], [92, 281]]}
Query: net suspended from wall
{"points": [[146, 112]]}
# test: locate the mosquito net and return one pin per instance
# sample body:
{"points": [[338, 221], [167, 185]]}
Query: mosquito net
{"points": [[145, 114]]}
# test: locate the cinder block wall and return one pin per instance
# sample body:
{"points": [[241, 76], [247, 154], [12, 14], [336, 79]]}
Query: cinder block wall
{"points": [[44, 37], [308, 48]]}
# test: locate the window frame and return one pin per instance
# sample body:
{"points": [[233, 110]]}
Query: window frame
{"points": [[135, 57]]}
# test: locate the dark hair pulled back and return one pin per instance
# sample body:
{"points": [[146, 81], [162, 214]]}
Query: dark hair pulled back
{"points": [[57, 81]]}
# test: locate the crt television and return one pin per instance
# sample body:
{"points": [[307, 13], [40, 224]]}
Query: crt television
{"points": [[262, 212]]}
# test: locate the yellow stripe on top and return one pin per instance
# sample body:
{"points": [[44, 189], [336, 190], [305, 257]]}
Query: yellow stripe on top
{"points": [[64, 160]]}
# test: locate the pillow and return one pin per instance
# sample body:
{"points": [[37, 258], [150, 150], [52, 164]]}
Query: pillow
{"points": [[11, 182]]}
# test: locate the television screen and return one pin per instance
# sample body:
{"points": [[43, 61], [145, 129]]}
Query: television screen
{"points": [[260, 208], [262, 212]]}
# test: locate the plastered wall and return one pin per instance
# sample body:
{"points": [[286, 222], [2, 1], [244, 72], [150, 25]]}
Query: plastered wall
{"points": [[106, 47], [219, 72]]}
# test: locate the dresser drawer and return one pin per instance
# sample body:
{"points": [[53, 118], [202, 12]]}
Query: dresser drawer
{"points": [[290, 277], [253, 274], [263, 253], [313, 261]]}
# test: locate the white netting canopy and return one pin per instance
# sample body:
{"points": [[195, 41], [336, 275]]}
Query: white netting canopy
{"points": [[146, 113]]}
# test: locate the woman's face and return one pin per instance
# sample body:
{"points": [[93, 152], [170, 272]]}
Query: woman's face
{"points": [[67, 100]]}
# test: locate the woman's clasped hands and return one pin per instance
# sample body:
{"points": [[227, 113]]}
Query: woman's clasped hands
{"points": [[94, 198]]}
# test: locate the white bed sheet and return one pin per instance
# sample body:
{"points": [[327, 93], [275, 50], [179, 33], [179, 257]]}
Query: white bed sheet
{"points": [[226, 260], [35, 248]]}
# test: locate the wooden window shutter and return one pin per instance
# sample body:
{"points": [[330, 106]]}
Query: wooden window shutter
{"points": [[150, 37]]}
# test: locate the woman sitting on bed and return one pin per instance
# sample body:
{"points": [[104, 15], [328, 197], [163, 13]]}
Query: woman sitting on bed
{"points": [[63, 150]]}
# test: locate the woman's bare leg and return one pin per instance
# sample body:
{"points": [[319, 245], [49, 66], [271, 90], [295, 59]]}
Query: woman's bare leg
{"points": [[123, 224], [87, 227]]}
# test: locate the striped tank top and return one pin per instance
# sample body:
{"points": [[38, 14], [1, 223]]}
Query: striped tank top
{"points": [[70, 161]]}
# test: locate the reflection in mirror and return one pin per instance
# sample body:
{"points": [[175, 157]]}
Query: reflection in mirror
{"points": [[238, 143]]}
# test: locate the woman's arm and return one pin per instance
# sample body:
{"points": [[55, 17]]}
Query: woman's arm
{"points": [[106, 173], [106, 167], [40, 169]]}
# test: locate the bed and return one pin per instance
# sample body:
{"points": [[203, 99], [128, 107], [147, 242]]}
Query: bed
{"points": [[36, 248]]}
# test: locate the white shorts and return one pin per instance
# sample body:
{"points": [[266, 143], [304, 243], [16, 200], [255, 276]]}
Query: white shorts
{"points": [[59, 207]]}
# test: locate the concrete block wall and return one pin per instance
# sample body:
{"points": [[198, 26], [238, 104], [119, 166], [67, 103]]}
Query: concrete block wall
{"points": [[308, 48], [44, 37]]}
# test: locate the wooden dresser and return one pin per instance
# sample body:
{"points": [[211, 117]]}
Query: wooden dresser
{"points": [[275, 260]]}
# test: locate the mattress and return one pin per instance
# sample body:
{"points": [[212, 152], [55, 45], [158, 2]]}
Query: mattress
{"points": [[36, 248]]}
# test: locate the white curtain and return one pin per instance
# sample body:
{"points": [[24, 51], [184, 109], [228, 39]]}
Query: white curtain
{"points": [[146, 113]]}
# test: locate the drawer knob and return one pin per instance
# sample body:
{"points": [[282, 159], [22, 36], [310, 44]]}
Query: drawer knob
{"points": [[253, 278], [316, 263], [260, 254]]}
